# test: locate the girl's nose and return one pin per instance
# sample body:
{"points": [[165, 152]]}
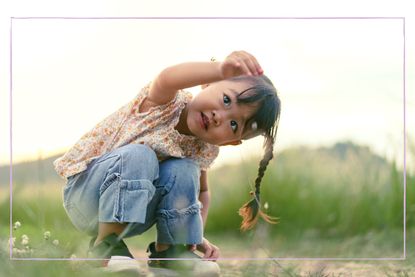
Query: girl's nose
{"points": [[216, 118]]}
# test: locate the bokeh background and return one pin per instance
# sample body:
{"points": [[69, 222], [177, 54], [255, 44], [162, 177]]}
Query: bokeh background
{"points": [[336, 182], [339, 79]]}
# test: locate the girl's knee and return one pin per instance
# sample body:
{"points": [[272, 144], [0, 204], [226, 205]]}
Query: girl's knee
{"points": [[138, 152], [187, 173], [184, 171], [177, 165], [139, 158], [180, 178]]}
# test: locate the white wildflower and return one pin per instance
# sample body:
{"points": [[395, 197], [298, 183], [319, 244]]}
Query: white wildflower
{"points": [[17, 225], [73, 256], [25, 240], [21, 252], [46, 235], [266, 205], [55, 242]]}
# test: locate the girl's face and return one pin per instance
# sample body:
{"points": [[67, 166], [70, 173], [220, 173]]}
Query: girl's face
{"points": [[214, 116]]}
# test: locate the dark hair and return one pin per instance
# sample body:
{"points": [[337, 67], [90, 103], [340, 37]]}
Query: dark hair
{"points": [[266, 117]]}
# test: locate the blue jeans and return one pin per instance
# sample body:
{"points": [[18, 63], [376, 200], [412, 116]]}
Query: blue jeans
{"points": [[129, 185]]}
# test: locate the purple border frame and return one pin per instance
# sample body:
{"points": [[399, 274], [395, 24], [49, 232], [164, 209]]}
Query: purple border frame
{"points": [[214, 18]]}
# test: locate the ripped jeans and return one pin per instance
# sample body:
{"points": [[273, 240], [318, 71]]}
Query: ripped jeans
{"points": [[129, 185]]}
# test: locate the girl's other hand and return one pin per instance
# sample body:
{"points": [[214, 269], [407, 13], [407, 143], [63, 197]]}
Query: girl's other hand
{"points": [[240, 63], [209, 250]]}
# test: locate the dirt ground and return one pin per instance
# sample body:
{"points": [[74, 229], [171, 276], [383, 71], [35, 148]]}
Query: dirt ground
{"points": [[305, 268]]}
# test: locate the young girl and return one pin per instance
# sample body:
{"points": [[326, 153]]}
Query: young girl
{"points": [[146, 163]]}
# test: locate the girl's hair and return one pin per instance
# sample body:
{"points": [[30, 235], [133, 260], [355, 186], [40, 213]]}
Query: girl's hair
{"points": [[266, 117]]}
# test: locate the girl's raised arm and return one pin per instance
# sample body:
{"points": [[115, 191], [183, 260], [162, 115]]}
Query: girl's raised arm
{"points": [[165, 86]]}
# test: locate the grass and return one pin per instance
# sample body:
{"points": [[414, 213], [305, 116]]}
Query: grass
{"points": [[335, 196], [342, 202], [254, 247]]}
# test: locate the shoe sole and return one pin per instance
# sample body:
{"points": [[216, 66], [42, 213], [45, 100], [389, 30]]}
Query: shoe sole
{"points": [[123, 269], [123, 264], [164, 272]]}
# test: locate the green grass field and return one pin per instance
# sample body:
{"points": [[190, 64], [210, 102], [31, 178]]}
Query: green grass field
{"points": [[337, 202]]}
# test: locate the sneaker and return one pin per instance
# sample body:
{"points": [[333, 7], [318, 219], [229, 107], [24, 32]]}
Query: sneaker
{"points": [[122, 264], [117, 257], [187, 262]]}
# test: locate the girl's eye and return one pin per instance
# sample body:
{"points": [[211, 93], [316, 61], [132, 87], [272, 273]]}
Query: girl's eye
{"points": [[234, 126], [226, 100]]}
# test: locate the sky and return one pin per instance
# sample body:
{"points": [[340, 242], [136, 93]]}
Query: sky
{"points": [[338, 79]]}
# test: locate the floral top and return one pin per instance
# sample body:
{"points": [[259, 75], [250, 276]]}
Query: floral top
{"points": [[155, 128]]}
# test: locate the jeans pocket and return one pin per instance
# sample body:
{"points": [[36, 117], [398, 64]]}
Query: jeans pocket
{"points": [[126, 200], [134, 199]]}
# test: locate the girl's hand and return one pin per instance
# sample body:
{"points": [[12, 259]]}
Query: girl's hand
{"points": [[240, 63], [209, 250]]}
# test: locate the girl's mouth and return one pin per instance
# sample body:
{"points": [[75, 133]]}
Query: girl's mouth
{"points": [[205, 121]]}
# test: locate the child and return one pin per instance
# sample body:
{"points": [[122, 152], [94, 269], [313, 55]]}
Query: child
{"points": [[146, 163]]}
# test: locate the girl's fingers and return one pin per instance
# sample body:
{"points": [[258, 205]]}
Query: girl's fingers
{"points": [[258, 68], [208, 252], [252, 63], [244, 67], [236, 63], [238, 66], [248, 62], [215, 254], [243, 63], [252, 67]]}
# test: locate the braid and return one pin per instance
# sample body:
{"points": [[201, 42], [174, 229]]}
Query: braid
{"points": [[267, 117], [252, 210], [269, 147]]}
